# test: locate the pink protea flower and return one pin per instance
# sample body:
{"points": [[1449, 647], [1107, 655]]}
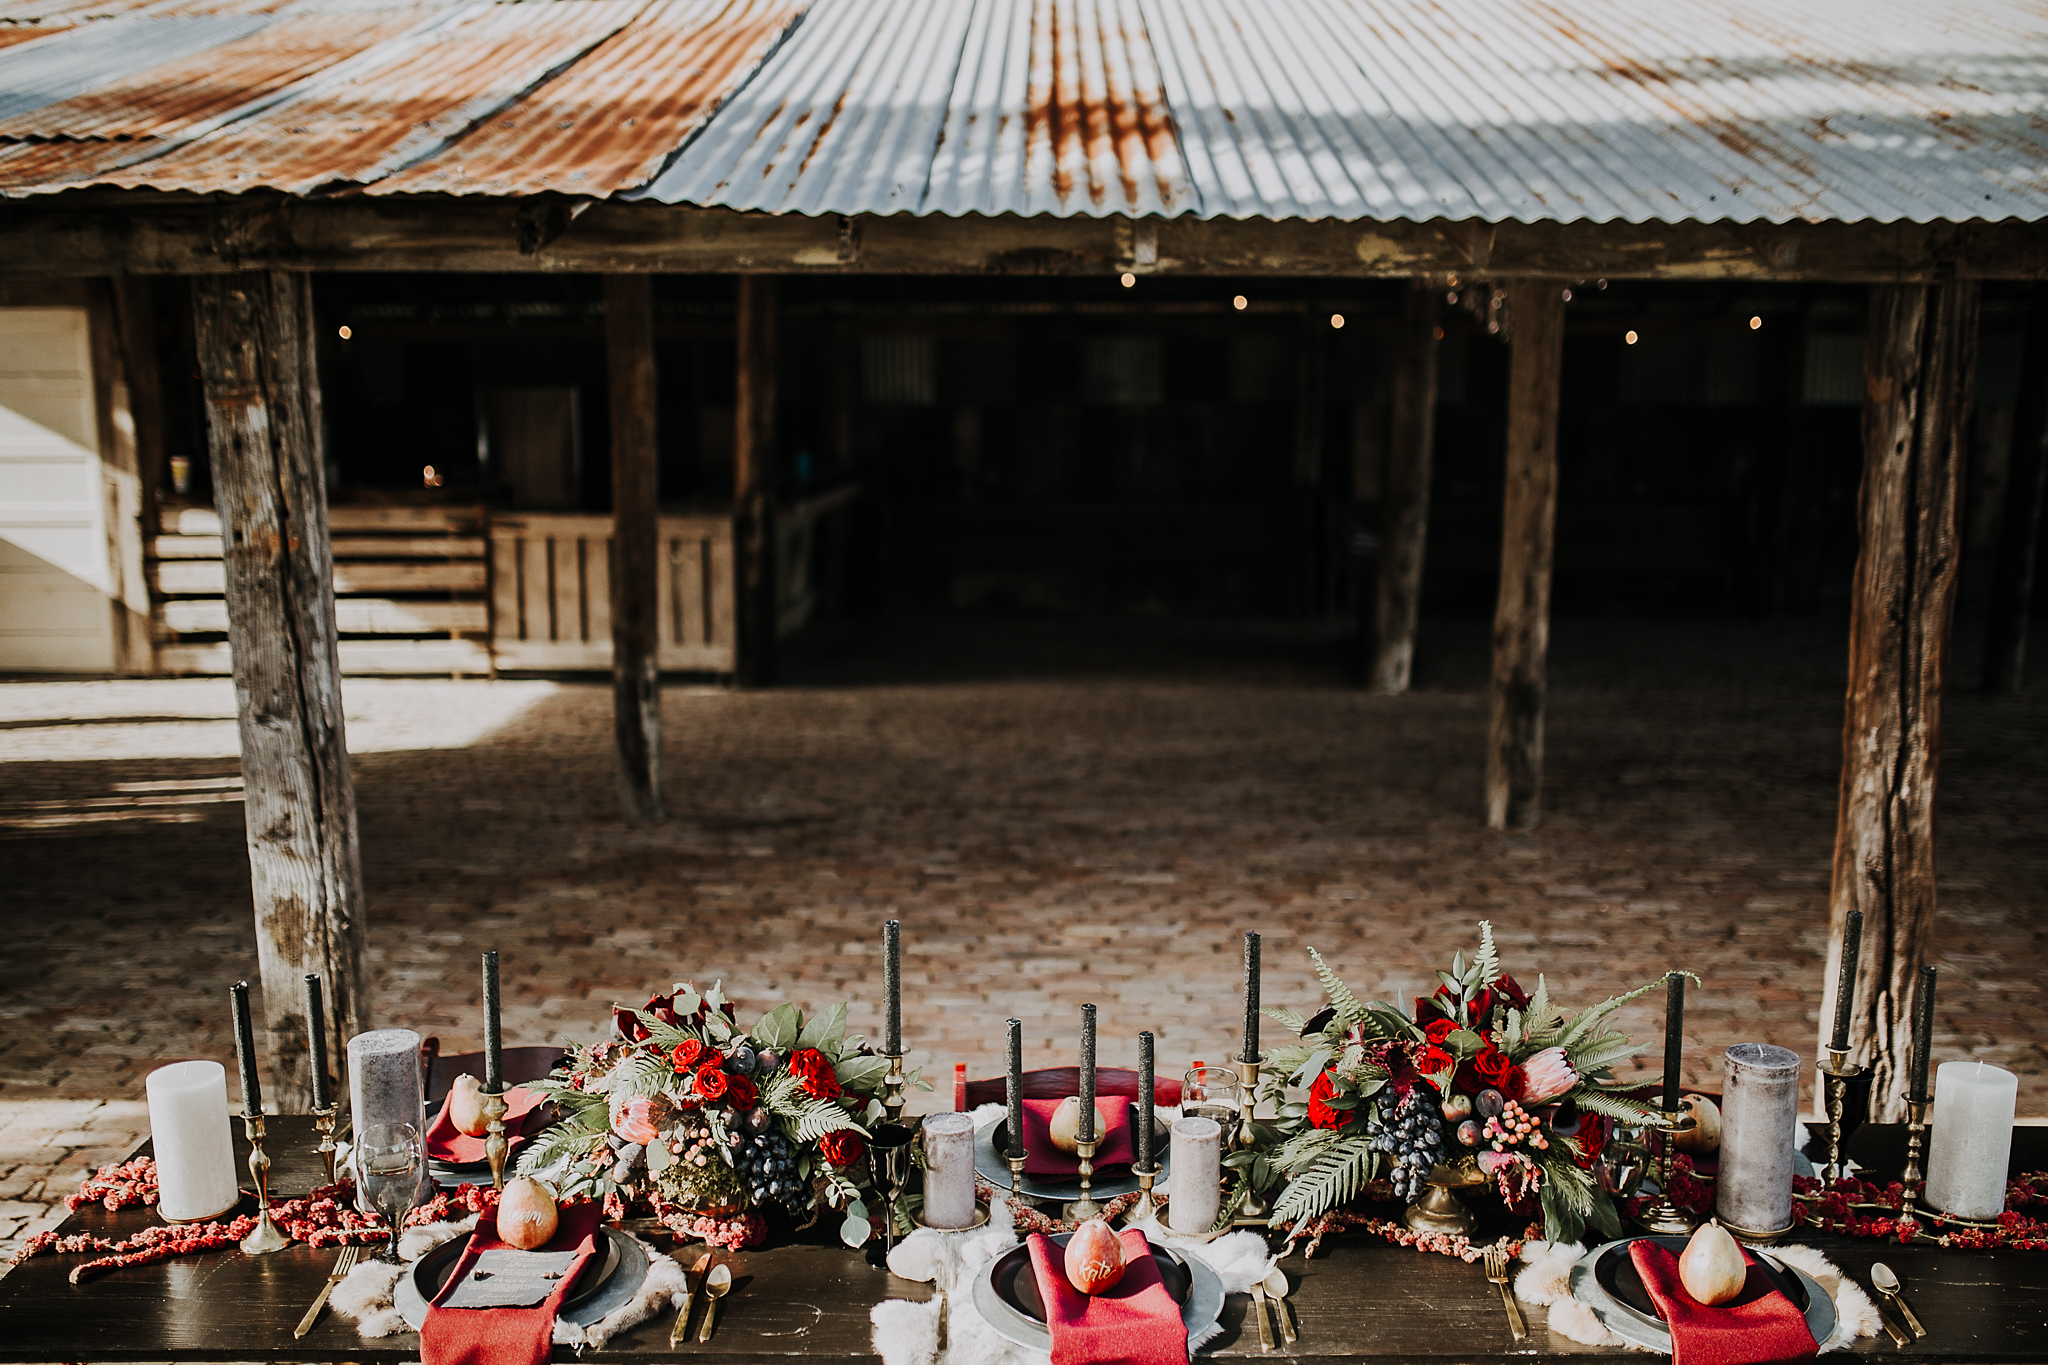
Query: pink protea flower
{"points": [[1549, 1074], [634, 1120]]}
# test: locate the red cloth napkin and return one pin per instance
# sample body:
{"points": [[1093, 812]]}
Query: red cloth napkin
{"points": [[506, 1336], [444, 1143], [1758, 1326], [1112, 1134], [1135, 1323]]}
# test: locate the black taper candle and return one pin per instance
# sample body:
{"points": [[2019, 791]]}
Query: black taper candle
{"points": [[1145, 1101], [1923, 1034], [245, 1048], [892, 988], [1251, 998], [1845, 983], [316, 1037], [1013, 1084], [494, 1035], [1674, 1036], [1087, 1133]]}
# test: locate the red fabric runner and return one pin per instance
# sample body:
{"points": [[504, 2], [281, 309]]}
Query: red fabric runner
{"points": [[506, 1336], [1758, 1326], [1134, 1323], [444, 1143], [1112, 1133]]}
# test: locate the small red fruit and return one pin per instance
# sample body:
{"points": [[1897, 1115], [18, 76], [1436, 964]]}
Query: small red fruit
{"points": [[1095, 1258]]}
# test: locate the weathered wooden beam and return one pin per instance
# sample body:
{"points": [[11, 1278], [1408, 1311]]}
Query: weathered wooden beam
{"points": [[112, 232], [1404, 485], [753, 482], [263, 428], [2019, 531], [1521, 614], [636, 544], [1917, 368]]}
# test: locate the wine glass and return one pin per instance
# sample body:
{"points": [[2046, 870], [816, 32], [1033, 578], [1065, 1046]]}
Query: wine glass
{"points": [[1211, 1092], [388, 1160]]}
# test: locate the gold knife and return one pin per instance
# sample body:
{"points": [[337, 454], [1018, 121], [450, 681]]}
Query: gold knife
{"points": [[1259, 1307], [692, 1277], [343, 1263]]}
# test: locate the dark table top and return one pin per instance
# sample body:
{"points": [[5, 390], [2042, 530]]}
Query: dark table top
{"points": [[1359, 1298]]}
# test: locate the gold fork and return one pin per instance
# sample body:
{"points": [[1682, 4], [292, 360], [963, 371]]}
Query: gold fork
{"points": [[342, 1265], [1497, 1271]]}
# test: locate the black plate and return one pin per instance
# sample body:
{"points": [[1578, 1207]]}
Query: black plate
{"points": [[1018, 1287], [1616, 1273], [431, 1271]]}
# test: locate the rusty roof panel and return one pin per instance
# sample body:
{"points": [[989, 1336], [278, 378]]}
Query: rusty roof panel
{"points": [[394, 111], [82, 58], [613, 119]]}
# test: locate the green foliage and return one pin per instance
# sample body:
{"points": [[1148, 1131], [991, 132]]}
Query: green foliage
{"points": [[1593, 1100], [815, 1118], [560, 1144], [1348, 1006], [825, 1029], [1293, 1019], [1583, 1025], [778, 1028], [1486, 962], [1570, 1200], [861, 1073], [647, 1074], [1333, 1177]]}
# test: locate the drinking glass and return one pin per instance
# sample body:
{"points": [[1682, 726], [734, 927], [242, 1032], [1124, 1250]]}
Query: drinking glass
{"points": [[389, 1159], [1211, 1092]]}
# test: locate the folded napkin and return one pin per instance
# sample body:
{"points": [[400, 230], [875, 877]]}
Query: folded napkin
{"points": [[444, 1143], [1112, 1133], [506, 1336], [1758, 1326], [1135, 1323]]}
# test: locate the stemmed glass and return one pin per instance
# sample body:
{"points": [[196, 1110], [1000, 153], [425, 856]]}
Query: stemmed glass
{"points": [[388, 1160]]}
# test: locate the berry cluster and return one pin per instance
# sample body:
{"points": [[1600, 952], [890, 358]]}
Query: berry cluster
{"points": [[767, 1166], [1514, 1126], [1412, 1132]]}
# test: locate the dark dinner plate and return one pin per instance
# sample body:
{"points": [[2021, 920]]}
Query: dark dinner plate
{"points": [[1617, 1274], [431, 1271], [1018, 1287]]}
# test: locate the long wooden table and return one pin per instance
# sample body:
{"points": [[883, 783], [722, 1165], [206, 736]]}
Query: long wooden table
{"points": [[1360, 1298]]}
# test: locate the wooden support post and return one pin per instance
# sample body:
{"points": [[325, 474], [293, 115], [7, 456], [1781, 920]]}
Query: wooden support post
{"points": [[636, 544], [2019, 533], [1404, 505], [1917, 370], [1521, 615], [753, 479], [255, 347]]}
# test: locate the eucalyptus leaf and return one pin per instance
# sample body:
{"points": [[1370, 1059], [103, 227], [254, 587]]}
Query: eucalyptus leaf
{"points": [[824, 1028], [778, 1028], [855, 1231]]}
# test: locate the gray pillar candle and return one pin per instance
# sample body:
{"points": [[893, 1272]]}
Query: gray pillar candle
{"points": [[1674, 1037], [1087, 1073], [245, 1048], [1759, 1106], [1845, 983], [1923, 1034], [892, 988], [1145, 1101], [494, 1040], [316, 1035], [1013, 1084], [1251, 998], [384, 1079]]}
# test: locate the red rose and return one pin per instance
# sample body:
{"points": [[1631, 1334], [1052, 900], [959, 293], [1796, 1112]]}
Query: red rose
{"points": [[1439, 1029], [1492, 1065], [1432, 1060], [809, 1066], [711, 1082], [686, 1054], [740, 1093], [842, 1147], [1514, 1085], [1320, 1114]]}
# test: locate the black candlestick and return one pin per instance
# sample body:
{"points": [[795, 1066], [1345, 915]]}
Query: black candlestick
{"points": [[316, 1037], [1145, 1100], [1923, 1034], [245, 1048], [892, 988], [1013, 1085], [1845, 984], [1251, 998], [1087, 1133], [1674, 1037], [494, 1039]]}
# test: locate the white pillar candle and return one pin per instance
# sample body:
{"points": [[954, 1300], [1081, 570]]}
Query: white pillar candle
{"points": [[194, 1142], [949, 1171], [1972, 1139], [384, 1084], [1196, 1179], [1759, 1106]]}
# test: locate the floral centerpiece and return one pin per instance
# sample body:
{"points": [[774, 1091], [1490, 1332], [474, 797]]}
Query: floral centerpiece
{"points": [[1484, 1074], [715, 1126]]}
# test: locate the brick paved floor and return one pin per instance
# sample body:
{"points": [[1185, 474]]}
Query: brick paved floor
{"points": [[1057, 813]]}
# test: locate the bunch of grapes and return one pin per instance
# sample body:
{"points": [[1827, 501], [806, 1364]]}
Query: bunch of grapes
{"points": [[1410, 1131], [767, 1166]]}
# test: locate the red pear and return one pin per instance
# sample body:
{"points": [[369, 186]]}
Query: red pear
{"points": [[1095, 1257]]}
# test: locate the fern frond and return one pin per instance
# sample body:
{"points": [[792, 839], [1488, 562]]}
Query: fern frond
{"points": [[1582, 1025], [819, 1117], [1334, 1178], [1299, 1151], [1540, 1020], [1486, 962], [1603, 1052], [1295, 1020], [1619, 1108], [1347, 1005], [557, 1146]]}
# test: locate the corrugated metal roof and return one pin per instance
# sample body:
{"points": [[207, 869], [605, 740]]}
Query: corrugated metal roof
{"points": [[1597, 110]]}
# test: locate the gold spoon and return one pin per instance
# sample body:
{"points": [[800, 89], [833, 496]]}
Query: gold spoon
{"points": [[693, 1277], [1888, 1285], [715, 1285], [1276, 1286]]}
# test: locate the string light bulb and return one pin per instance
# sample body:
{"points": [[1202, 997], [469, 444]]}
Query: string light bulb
{"points": [[1755, 324], [431, 477], [1629, 337], [1129, 279], [1239, 302], [345, 332], [1337, 321]]}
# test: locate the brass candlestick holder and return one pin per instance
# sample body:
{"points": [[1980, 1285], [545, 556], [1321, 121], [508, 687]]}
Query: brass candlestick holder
{"points": [[892, 1088], [323, 1124], [267, 1237], [1146, 1207], [1016, 1164], [1660, 1216], [1084, 1208], [1252, 1209], [1838, 1071], [493, 1106], [1916, 1141]]}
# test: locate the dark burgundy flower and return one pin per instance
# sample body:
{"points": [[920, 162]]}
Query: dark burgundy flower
{"points": [[740, 1093], [1320, 1114], [809, 1066], [1493, 1066], [842, 1147], [1439, 1029], [1516, 996]]}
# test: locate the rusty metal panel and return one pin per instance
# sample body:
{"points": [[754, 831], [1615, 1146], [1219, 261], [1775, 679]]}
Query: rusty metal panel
{"points": [[87, 56], [611, 121]]}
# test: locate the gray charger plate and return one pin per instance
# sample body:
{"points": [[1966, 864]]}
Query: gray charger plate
{"points": [[991, 1166], [1204, 1302], [1649, 1332], [618, 1290]]}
